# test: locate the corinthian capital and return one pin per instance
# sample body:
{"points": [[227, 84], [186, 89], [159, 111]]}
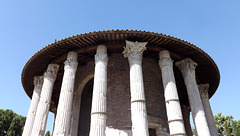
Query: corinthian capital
{"points": [[203, 90], [133, 51], [101, 54], [51, 72], [134, 47], [187, 66], [38, 80], [71, 61], [164, 59]]}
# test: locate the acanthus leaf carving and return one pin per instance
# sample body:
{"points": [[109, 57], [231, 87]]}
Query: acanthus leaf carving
{"points": [[187, 66], [133, 51]]}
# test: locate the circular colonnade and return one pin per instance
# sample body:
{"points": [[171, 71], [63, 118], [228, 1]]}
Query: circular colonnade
{"points": [[140, 83]]}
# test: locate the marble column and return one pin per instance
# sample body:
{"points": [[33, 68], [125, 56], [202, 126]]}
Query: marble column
{"points": [[64, 110], [38, 81], [187, 67], [203, 89], [45, 100], [186, 117], [133, 52], [99, 100], [174, 113]]}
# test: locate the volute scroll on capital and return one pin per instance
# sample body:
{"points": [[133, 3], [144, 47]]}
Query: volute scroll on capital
{"points": [[51, 72], [203, 90], [186, 66]]}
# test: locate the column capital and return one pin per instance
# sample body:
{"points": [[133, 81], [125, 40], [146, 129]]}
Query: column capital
{"points": [[71, 61], [38, 80], [51, 72], [187, 66], [203, 90], [133, 51], [165, 59], [101, 54], [134, 46]]}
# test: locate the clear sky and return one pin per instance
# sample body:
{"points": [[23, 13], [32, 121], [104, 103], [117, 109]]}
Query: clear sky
{"points": [[28, 26]]}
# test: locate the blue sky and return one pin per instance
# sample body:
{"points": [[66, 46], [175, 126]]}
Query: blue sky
{"points": [[28, 26]]}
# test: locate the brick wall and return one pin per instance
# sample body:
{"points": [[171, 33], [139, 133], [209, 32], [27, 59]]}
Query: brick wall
{"points": [[118, 92]]}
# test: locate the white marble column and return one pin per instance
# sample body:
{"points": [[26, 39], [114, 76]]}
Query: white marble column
{"points": [[174, 113], [133, 52], [99, 102], [64, 110], [203, 89], [38, 81], [45, 100], [187, 67]]}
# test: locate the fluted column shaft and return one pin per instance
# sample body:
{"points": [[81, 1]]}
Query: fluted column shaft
{"points": [[174, 113], [64, 110], [134, 52], [38, 81], [187, 67], [203, 89], [99, 102], [186, 117], [45, 100]]}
